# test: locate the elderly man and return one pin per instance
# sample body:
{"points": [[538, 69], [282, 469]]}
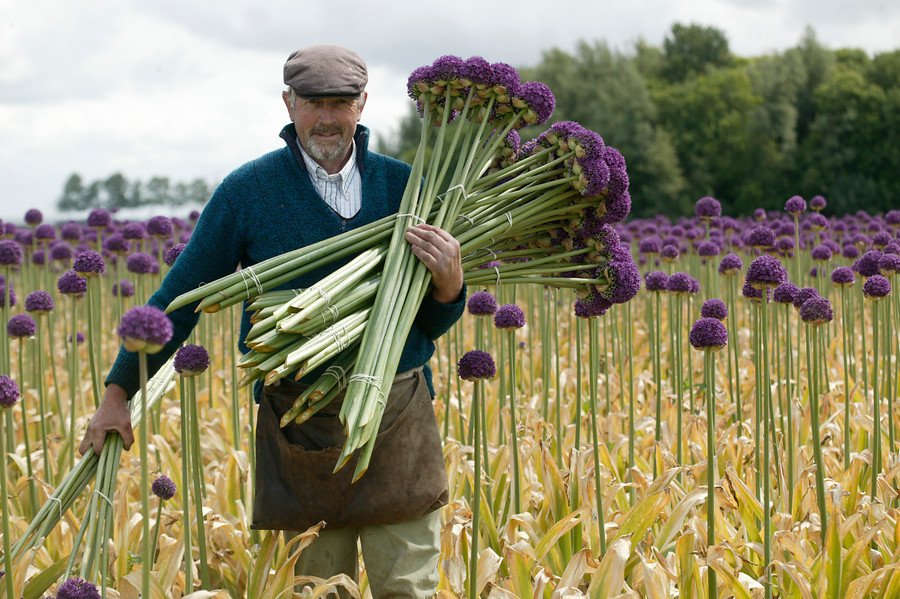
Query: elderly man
{"points": [[323, 181]]}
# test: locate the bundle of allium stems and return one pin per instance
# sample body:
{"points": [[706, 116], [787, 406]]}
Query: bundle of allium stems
{"points": [[538, 213]]}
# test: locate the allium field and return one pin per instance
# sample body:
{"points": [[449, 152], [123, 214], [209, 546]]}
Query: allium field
{"points": [[577, 447]]}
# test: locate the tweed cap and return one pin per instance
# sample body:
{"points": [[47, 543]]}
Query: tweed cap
{"points": [[325, 70]]}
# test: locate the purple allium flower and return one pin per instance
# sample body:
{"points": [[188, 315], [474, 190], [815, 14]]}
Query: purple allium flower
{"points": [[759, 214], [194, 215], [821, 252], [70, 231], [818, 203], [115, 244], [804, 294], [655, 281], [669, 252], [12, 293], [476, 364], [851, 252], [126, 286], [160, 226], [509, 316], [146, 329], [816, 311], [539, 100], [482, 303], [876, 287], [649, 245], [140, 263], [10, 253], [843, 275], [38, 257], [714, 308], [99, 218], [77, 588], [817, 221], [766, 271], [624, 278], [760, 237], [695, 285], [679, 282], [504, 78], [708, 249], [21, 325], [79, 338], [708, 334], [39, 301], [785, 245], [870, 263], [89, 263], [133, 231], [9, 392], [173, 252], [795, 205], [752, 293], [892, 248], [592, 306], [60, 251], [785, 293], [69, 283], [881, 239], [191, 360], [889, 263], [708, 208], [730, 265], [163, 487], [45, 232], [34, 217], [25, 237]]}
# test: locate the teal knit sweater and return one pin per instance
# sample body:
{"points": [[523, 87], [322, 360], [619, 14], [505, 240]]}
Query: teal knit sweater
{"points": [[268, 207]]}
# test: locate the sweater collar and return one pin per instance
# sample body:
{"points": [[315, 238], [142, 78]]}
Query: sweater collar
{"points": [[361, 138]]}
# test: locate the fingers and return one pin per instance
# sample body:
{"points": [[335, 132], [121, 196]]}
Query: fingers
{"points": [[95, 437], [127, 435], [85, 444]]}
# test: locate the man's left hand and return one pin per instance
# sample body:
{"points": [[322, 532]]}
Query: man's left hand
{"points": [[440, 252]]}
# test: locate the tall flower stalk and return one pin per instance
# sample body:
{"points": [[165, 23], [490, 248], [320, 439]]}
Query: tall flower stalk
{"points": [[9, 395]]}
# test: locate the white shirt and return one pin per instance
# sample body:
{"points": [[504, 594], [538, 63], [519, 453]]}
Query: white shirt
{"points": [[343, 190]]}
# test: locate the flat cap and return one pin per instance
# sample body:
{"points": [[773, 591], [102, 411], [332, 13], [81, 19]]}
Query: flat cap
{"points": [[325, 70]]}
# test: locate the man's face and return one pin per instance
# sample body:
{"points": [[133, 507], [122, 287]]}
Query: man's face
{"points": [[325, 126]]}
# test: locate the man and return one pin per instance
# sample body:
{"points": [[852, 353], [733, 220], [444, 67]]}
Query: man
{"points": [[323, 182]]}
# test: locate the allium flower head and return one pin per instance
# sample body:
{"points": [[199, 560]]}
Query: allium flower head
{"points": [[77, 588], [785, 293], [34, 217], [173, 252], [9, 392], [10, 253], [816, 311], [140, 263], [509, 316], [125, 286], [759, 214], [669, 252], [849, 251], [70, 231], [760, 237], [133, 231], [538, 99], [624, 278], [766, 271], [504, 78], [38, 257], [708, 249], [191, 360], [21, 325], [12, 293], [843, 275], [39, 301], [99, 218], [889, 263], [708, 334], [655, 281], [650, 245], [876, 287], [821, 252], [482, 303], [89, 263], [476, 364], [116, 244], [817, 222], [752, 293], [163, 487], [870, 263], [594, 305], [45, 232], [160, 226], [679, 282], [804, 294], [60, 251], [708, 208], [818, 203], [881, 239], [714, 308], [146, 329], [69, 283], [194, 215], [795, 205]]}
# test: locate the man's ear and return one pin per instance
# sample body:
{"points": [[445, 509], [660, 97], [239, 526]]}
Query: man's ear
{"points": [[362, 104], [286, 97]]}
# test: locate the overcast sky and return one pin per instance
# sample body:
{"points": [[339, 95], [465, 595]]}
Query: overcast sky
{"points": [[192, 89]]}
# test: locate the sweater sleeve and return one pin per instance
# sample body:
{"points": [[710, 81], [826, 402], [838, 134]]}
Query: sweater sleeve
{"points": [[213, 251], [434, 318]]}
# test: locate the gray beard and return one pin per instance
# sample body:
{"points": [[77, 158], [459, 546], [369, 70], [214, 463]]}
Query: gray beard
{"points": [[323, 152]]}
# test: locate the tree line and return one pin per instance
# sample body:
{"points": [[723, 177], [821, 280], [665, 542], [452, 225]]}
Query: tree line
{"points": [[116, 191], [693, 119]]}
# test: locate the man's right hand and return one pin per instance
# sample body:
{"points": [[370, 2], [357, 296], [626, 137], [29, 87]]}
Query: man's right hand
{"points": [[113, 415]]}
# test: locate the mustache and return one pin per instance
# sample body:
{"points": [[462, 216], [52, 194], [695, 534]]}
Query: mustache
{"points": [[326, 130]]}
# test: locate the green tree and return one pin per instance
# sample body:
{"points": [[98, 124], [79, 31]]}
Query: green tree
{"points": [[73, 195], [115, 191], [693, 49]]}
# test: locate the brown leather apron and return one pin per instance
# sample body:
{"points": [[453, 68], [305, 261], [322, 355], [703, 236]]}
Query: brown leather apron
{"points": [[295, 487]]}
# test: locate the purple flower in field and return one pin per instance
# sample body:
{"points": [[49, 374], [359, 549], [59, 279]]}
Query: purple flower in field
{"points": [[679, 282], [892, 248], [624, 278], [99, 218], [818, 203], [133, 231], [876, 287], [39, 301], [21, 325], [760, 237], [160, 226], [38, 258], [89, 264], [750, 292], [10, 253], [70, 231], [115, 244], [695, 286], [759, 214], [669, 252], [60, 251], [708, 334], [126, 286], [163, 487], [173, 252], [785, 293], [649, 245], [714, 308], [655, 281], [509, 316], [843, 275], [870, 263], [140, 263], [191, 360], [482, 303], [146, 329], [850, 252], [45, 232], [881, 239], [816, 311], [69, 283], [803, 295], [594, 305], [795, 205], [817, 222], [766, 271], [539, 100], [194, 215], [707, 249], [79, 338], [34, 217], [476, 364], [504, 78], [708, 208], [889, 263], [12, 293], [730, 265], [77, 588], [785, 245], [9, 392], [9, 229], [821, 253]]}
